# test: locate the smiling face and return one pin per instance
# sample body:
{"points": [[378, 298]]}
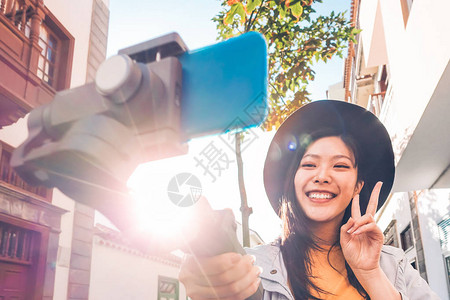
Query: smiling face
{"points": [[326, 180]]}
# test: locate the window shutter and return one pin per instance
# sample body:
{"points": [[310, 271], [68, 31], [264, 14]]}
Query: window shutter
{"points": [[444, 233]]}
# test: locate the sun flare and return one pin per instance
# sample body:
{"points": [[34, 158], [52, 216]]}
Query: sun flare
{"points": [[155, 212]]}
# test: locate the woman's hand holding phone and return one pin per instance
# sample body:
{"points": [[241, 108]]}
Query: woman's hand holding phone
{"points": [[225, 276]]}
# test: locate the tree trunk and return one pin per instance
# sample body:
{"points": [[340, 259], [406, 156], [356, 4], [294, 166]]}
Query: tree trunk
{"points": [[245, 210]]}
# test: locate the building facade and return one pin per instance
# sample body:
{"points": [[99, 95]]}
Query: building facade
{"points": [[120, 271], [46, 238], [400, 70]]}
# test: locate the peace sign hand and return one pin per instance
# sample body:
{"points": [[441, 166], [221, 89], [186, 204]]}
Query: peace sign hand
{"points": [[361, 238]]}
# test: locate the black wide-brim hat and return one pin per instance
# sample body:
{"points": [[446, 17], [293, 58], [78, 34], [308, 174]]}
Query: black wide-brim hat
{"points": [[375, 155]]}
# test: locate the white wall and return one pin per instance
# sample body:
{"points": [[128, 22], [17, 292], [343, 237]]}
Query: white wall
{"points": [[16, 133], [336, 91], [65, 244], [118, 275], [372, 36], [433, 206], [417, 55]]}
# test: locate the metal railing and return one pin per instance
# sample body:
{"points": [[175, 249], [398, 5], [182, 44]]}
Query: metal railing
{"points": [[9, 176]]}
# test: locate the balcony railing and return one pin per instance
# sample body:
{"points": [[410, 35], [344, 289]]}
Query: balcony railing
{"points": [[32, 68], [375, 103], [10, 179], [19, 30], [18, 12]]}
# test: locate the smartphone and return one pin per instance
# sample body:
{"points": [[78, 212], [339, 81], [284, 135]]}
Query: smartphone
{"points": [[224, 86]]}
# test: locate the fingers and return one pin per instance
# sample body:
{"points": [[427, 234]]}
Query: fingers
{"points": [[207, 266], [231, 290], [358, 224], [229, 275], [346, 227], [365, 228], [373, 201], [371, 206], [356, 211], [236, 272]]}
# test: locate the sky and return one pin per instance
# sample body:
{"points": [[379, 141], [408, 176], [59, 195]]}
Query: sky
{"points": [[133, 22]]}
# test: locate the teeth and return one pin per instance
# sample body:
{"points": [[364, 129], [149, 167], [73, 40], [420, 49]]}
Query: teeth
{"points": [[320, 196]]}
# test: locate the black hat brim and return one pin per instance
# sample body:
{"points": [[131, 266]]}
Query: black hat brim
{"points": [[376, 157]]}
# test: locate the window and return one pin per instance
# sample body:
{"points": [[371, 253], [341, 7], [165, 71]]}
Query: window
{"points": [[444, 233], [54, 65], [390, 234], [444, 236], [413, 264], [447, 263], [48, 58], [167, 288], [407, 238], [16, 243]]}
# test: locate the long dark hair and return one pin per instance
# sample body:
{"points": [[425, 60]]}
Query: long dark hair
{"points": [[296, 239]]}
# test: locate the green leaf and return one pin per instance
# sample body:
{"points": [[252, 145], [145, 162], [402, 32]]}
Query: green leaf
{"points": [[317, 56], [252, 4], [297, 9], [355, 31], [230, 15], [236, 9], [282, 11], [240, 10]]}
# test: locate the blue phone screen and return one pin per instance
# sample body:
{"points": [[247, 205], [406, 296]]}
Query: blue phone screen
{"points": [[224, 86]]}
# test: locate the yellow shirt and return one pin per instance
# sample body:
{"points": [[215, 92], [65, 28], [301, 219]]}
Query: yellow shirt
{"points": [[331, 280]]}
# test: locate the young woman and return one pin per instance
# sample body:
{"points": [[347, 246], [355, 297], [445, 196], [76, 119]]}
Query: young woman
{"points": [[329, 168]]}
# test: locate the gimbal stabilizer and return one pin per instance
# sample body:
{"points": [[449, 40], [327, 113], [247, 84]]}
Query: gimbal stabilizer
{"points": [[145, 104]]}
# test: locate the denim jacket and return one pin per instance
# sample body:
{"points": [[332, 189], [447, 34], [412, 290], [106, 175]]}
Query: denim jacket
{"points": [[392, 261]]}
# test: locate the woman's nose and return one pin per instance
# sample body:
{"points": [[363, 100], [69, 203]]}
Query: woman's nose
{"points": [[322, 176]]}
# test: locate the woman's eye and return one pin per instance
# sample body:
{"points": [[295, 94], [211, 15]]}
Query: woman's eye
{"points": [[308, 165], [340, 166]]}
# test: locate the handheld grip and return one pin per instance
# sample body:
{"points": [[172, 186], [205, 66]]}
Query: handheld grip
{"points": [[217, 237]]}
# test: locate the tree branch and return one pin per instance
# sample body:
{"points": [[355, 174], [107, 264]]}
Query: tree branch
{"points": [[256, 16], [249, 21], [278, 93]]}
